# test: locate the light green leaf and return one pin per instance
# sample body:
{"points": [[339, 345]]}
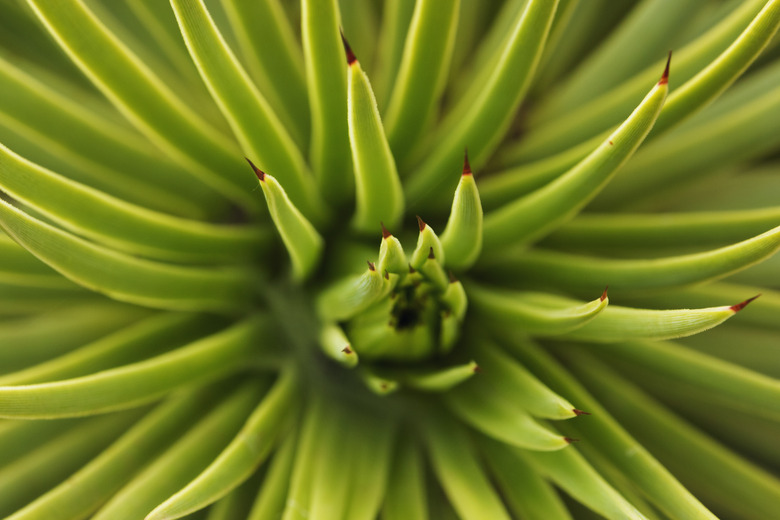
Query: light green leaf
{"points": [[241, 457], [125, 277], [535, 313], [406, 495], [379, 197], [462, 238], [545, 209], [136, 383], [252, 119], [303, 242]]}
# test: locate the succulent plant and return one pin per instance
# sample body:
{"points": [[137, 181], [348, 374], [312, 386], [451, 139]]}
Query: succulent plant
{"points": [[216, 301]]}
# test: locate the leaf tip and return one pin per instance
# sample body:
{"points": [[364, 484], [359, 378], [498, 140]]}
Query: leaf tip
{"points": [[665, 76], [466, 165], [570, 440], [738, 307], [420, 223], [604, 294], [371, 266], [348, 50], [385, 233], [260, 173], [347, 350], [578, 412]]}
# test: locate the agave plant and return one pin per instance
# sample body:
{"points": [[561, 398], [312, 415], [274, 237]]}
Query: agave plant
{"points": [[188, 334]]}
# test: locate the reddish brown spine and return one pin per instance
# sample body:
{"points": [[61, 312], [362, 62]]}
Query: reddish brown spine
{"points": [[371, 266], [260, 173], [604, 294], [665, 76], [385, 233], [420, 223], [348, 50], [466, 165], [738, 307]]}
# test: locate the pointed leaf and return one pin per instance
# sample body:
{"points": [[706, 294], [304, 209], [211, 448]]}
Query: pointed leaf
{"points": [[462, 238]]}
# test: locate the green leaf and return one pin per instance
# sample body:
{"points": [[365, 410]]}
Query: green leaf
{"points": [[526, 491], [501, 417], [437, 379], [303, 242], [272, 496], [120, 225], [136, 383], [733, 484], [462, 238], [83, 492], [349, 296], [144, 99], [327, 84], [746, 389], [379, 197], [545, 209], [579, 273], [251, 117], [28, 477], [624, 323], [606, 435], [241, 457], [459, 471], [336, 345], [186, 458], [277, 69], [125, 277], [422, 73], [535, 313], [406, 495], [481, 123]]}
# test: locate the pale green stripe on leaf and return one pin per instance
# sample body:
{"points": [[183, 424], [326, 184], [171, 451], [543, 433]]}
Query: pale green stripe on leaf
{"points": [[459, 471], [744, 388], [49, 333], [241, 457], [658, 230], [505, 377], [406, 496], [601, 113], [32, 475], [545, 209], [462, 237], [186, 458], [73, 130], [379, 197], [482, 122], [125, 277], [125, 345], [83, 492], [274, 58], [121, 225], [307, 458], [535, 313], [527, 492], [142, 97], [502, 417], [271, 497], [605, 434], [579, 273], [303, 242], [569, 471], [422, 73], [731, 482], [625, 323], [252, 119], [136, 383], [326, 79]]}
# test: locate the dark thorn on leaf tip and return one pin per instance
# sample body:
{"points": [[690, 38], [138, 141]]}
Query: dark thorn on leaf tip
{"points": [[420, 223], [385, 233], [260, 173], [580, 412], [466, 165], [477, 369], [383, 386], [570, 440], [611, 143], [738, 307], [347, 350], [665, 76], [371, 266], [387, 275], [411, 269], [348, 50], [604, 294], [430, 254], [452, 277]]}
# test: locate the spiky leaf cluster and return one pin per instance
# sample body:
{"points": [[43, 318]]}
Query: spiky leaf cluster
{"points": [[246, 272]]}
